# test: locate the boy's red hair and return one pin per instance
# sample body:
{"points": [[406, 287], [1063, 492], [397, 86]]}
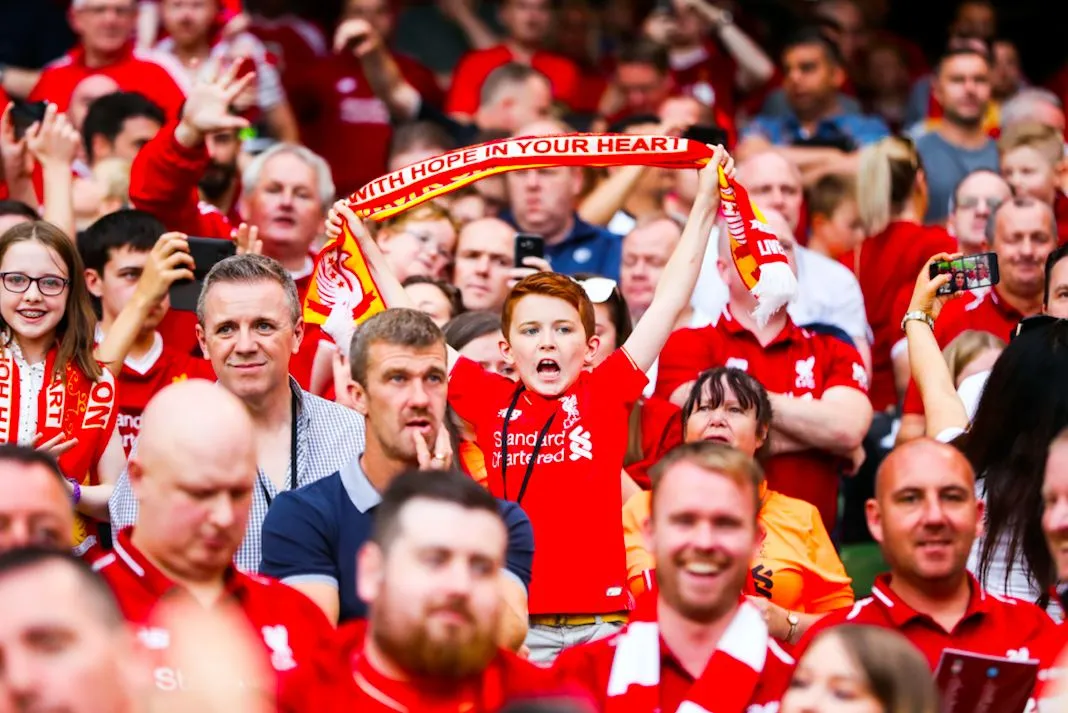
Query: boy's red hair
{"points": [[550, 284]]}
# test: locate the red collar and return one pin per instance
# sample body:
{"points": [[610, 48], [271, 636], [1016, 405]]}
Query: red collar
{"points": [[1002, 306], [159, 584], [900, 613], [790, 332]]}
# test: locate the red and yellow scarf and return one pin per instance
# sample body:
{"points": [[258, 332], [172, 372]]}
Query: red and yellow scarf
{"points": [[343, 290], [69, 403]]}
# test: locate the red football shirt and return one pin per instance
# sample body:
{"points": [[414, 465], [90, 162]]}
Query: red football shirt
{"points": [[1052, 654], [475, 66], [297, 638], [506, 677], [140, 380], [989, 313], [342, 119], [886, 269], [797, 363], [992, 625], [661, 430], [294, 41], [154, 75], [589, 666], [573, 495], [708, 74]]}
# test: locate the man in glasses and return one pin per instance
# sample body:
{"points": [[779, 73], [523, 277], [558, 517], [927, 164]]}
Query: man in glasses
{"points": [[976, 197], [1022, 232], [105, 28]]}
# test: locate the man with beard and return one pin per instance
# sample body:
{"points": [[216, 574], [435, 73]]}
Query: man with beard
{"points": [[925, 516], [311, 535], [708, 647], [431, 577], [220, 185], [959, 144], [194, 480]]}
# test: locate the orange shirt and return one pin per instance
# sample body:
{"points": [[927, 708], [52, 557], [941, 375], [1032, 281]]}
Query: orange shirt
{"points": [[797, 568]]}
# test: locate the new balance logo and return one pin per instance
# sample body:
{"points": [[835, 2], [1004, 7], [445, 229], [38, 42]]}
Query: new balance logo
{"points": [[579, 444]]}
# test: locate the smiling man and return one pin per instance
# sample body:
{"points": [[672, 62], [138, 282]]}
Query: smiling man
{"points": [[699, 632], [925, 516]]}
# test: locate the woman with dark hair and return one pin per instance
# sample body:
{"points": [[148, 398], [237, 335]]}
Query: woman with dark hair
{"points": [[797, 577], [53, 393], [654, 427], [861, 669], [1024, 405]]}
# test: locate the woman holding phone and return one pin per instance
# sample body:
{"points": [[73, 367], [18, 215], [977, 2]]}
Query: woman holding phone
{"points": [[53, 393]]}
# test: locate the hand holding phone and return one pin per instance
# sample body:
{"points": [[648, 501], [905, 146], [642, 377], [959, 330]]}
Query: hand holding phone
{"points": [[25, 114], [528, 245], [200, 255], [969, 272]]}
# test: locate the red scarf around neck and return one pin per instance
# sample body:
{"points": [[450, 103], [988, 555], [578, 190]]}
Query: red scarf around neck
{"points": [[69, 403], [727, 684]]}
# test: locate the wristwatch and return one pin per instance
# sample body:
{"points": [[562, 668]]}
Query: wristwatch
{"points": [[918, 315], [794, 621]]}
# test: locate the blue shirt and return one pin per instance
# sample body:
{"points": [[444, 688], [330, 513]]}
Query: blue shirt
{"points": [[786, 130], [312, 534], [587, 248]]}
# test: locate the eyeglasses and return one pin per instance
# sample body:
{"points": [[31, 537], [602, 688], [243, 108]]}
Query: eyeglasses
{"points": [[972, 202], [598, 289], [49, 285], [1028, 324]]}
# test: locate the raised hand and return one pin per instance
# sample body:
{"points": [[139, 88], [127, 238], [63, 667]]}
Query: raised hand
{"points": [[17, 160], [207, 108], [925, 297], [168, 261], [248, 240], [708, 179], [53, 141], [441, 458], [55, 446], [531, 265], [358, 36]]}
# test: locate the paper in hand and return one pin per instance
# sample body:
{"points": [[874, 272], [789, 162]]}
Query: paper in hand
{"points": [[974, 683]]}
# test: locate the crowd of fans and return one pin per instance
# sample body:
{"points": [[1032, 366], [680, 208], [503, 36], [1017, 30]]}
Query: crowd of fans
{"points": [[581, 482]]}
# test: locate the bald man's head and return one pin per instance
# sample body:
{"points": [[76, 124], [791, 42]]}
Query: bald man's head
{"points": [[193, 474], [925, 514], [773, 183]]}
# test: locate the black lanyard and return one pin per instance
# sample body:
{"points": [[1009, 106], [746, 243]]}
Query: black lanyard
{"points": [[292, 456], [533, 455]]}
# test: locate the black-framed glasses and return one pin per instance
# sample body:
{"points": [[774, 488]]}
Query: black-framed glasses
{"points": [[47, 285], [1035, 321]]}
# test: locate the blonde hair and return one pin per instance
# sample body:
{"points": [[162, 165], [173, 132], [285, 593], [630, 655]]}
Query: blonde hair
{"points": [[966, 348], [1046, 140], [886, 177], [424, 212], [113, 177]]}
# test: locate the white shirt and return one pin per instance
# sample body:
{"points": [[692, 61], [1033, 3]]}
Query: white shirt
{"points": [[827, 292], [31, 382]]}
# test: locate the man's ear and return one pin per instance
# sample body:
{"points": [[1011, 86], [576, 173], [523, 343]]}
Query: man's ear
{"points": [[298, 334], [358, 395], [874, 516], [94, 282], [370, 568], [202, 340]]}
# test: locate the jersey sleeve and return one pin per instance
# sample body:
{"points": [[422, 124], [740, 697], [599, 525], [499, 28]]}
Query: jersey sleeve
{"points": [[686, 354], [619, 378], [827, 586], [297, 542], [519, 559], [466, 84], [475, 394], [843, 365]]}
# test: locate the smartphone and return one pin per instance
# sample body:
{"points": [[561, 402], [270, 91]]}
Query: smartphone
{"points": [[706, 134], [24, 114], [970, 272], [206, 252], [528, 245]]}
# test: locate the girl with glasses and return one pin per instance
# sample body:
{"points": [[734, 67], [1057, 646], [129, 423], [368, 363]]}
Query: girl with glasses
{"points": [[53, 393]]}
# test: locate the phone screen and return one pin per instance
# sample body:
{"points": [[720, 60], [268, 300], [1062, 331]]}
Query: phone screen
{"points": [[971, 272], [25, 114]]}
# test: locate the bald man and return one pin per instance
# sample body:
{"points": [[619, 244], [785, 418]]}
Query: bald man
{"points": [[193, 478], [646, 250], [543, 201], [827, 292], [925, 516], [35, 507], [485, 255]]}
